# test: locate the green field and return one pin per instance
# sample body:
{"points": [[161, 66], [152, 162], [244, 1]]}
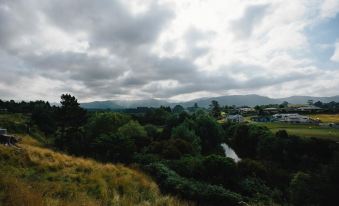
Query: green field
{"points": [[302, 130]]}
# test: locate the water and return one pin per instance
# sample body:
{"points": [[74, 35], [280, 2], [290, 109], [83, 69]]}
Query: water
{"points": [[229, 152]]}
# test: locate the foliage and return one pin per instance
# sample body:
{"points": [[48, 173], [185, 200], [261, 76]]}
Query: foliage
{"points": [[178, 109], [70, 118], [246, 138], [215, 109], [185, 132], [135, 132], [101, 123], [198, 191], [210, 133], [300, 189]]}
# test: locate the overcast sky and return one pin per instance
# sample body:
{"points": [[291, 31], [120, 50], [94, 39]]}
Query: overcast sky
{"points": [[167, 49]]}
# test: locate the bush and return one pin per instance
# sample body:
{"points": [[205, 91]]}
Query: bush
{"points": [[252, 168], [200, 192]]}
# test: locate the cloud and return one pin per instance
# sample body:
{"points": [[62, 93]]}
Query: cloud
{"points": [[329, 8], [335, 56], [252, 16], [115, 49]]}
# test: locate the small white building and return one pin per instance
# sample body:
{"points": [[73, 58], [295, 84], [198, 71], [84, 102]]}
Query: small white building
{"points": [[292, 118], [235, 118]]}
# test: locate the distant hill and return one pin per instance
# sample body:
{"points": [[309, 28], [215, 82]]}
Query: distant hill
{"points": [[123, 104], [101, 105], [238, 100], [304, 99]]}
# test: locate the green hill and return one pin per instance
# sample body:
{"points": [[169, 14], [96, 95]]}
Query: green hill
{"points": [[34, 176]]}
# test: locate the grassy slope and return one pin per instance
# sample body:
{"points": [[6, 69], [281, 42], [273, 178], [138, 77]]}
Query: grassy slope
{"points": [[35, 176]]}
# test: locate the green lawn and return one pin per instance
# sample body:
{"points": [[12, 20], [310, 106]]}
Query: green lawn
{"points": [[302, 130]]}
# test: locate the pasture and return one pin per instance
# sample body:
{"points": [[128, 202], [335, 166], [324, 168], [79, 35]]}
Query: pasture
{"points": [[302, 130]]}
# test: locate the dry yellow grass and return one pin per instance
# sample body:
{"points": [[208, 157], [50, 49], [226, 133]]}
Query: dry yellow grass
{"points": [[38, 176], [326, 118]]}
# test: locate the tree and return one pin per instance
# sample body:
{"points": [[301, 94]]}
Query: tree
{"points": [[70, 114], [114, 147], [319, 104], [183, 131], [215, 109], [210, 133], [246, 138], [43, 116], [283, 105], [152, 131], [157, 116], [70, 118], [105, 123], [301, 189], [310, 102], [134, 131], [224, 170], [178, 109], [281, 134]]}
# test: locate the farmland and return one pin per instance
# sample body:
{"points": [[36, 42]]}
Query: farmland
{"points": [[302, 130], [326, 118]]}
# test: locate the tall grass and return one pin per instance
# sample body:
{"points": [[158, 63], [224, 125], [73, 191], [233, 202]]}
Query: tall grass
{"points": [[38, 176]]}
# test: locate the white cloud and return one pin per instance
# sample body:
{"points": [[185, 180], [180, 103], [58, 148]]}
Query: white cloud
{"points": [[335, 56], [329, 8]]}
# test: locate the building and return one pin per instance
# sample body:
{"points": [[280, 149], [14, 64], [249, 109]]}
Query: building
{"points": [[334, 125], [309, 109], [235, 118], [246, 110], [261, 118], [3, 110], [271, 110], [292, 118], [3, 131]]}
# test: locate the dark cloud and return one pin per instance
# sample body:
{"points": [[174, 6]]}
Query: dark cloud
{"points": [[252, 16], [118, 60], [109, 23]]}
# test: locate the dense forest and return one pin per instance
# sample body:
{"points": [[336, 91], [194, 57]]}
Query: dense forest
{"points": [[182, 152]]}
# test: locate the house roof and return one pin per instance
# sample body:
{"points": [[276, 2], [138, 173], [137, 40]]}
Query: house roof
{"points": [[234, 116]]}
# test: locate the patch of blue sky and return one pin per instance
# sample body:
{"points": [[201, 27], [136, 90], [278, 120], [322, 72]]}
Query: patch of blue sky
{"points": [[322, 38]]}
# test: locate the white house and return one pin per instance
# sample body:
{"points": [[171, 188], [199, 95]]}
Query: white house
{"points": [[235, 118], [292, 118]]}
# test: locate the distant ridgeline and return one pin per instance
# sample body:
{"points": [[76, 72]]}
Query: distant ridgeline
{"points": [[238, 100]]}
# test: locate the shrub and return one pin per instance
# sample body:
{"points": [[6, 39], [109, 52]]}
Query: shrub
{"points": [[200, 192]]}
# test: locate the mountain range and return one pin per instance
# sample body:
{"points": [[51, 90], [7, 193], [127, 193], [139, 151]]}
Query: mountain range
{"points": [[238, 100]]}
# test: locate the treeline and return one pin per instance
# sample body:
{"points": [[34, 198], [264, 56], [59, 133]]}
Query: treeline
{"points": [[331, 107], [182, 152]]}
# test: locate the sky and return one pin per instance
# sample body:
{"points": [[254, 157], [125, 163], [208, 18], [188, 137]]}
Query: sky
{"points": [[173, 50]]}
